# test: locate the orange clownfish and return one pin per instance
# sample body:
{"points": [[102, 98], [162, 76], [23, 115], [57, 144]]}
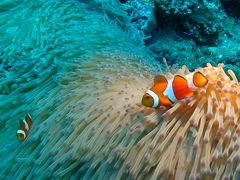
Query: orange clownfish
{"points": [[166, 92], [25, 125]]}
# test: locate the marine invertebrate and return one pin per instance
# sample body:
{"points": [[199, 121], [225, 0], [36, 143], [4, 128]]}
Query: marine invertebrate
{"points": [[100, 129], [199, 137], [56, 73], [77, 132]]}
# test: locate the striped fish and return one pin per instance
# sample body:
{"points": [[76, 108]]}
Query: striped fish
{"points": [[166, 92], [25, 126]]}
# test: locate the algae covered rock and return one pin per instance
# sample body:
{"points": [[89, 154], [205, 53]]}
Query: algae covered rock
{"points": [[231, 7], [142, 16], [201, 20]]}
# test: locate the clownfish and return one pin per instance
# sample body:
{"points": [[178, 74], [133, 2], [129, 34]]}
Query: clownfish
{"points": [[166, 92], [25, 125]]}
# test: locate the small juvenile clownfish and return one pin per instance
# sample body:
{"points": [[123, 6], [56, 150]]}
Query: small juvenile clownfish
{"points": [[166, 92], [25, 125]]}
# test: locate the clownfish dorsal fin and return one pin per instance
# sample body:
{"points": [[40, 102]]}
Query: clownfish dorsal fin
{"points": [[160, 82], [199, 80], [160, 79], [180, 87]]}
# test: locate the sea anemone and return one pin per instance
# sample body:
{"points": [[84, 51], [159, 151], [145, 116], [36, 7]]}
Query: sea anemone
{"points": [[96, 127], [199, 136], [59, 64], [82, 124], [78, 78]]}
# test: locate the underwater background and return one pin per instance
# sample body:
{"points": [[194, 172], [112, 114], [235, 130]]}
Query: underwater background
{"points": [[80, 69]]}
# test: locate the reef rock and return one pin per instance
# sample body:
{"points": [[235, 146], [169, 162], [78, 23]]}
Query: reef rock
{"points": [[201, 20]]}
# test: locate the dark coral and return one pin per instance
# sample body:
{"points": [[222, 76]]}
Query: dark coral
{"points": [[200, 21], [231, 7]]}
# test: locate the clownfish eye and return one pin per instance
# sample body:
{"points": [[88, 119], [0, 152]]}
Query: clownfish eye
{"points": [[147, 100]]}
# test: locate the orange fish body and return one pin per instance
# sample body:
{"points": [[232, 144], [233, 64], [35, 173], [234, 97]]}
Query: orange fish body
{"points": [[166, 92], [25, 126]]}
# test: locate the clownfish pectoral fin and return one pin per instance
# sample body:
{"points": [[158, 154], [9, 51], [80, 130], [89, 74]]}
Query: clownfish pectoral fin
{"points": [[160, 83], [180, 87], [199, 80], [165, 101]]}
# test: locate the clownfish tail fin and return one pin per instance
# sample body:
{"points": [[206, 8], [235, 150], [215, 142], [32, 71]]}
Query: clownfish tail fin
{"points": [[199, 80]]}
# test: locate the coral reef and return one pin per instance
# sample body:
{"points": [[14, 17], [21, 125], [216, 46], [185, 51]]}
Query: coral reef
{"points": [[231, 7], [142, 16], [193, 32], [200, 20]]}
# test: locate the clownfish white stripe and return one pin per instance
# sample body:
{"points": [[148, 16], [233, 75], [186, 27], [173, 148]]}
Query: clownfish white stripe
{"points": [[189, 79], [26, 125], [169, 91], [191, 84], [29, 115], [155, 98], [21, 132]]}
